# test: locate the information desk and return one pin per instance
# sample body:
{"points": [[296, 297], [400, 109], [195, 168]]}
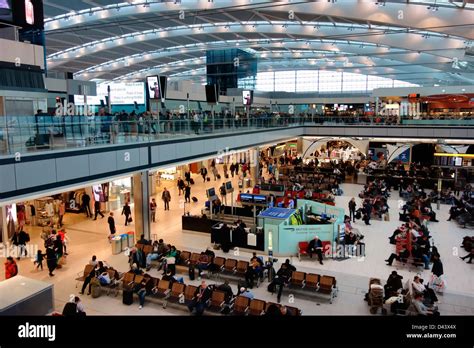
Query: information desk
{"points": [[24, 296], [233, 236], [282, 235], [197, 223]]}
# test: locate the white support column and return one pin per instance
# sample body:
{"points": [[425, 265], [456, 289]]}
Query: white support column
{"points": [[141, 199]]}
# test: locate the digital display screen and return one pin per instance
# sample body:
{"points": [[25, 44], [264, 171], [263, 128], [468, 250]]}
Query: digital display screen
{"points": [[246, 198], [247, 97], [260, 199], [270, 187], [212, 96], [153, 85], [101, 192], [6, 13], [458, 161], [228, 185], [211, 192]]}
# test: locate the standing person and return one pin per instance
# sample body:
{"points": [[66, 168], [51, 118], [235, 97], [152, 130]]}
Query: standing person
{"points": [[187, 177], [166, 197], [61, 212], [232, 167], [236, 168], [21, 217], [196, 121], [19, 239], [153, 210], [51, 260], [11, 268], [127, 212], [224, 167], [64, 239], [33, 215], [223, 193], [39, 259], [86, 199], [97, 210], [58, 247], [111, 222], [180, 186], [187, 193], [352, 209], [215, 172], [204, 173], [367, 208]]}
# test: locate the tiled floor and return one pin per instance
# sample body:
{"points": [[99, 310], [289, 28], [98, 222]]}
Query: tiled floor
{"points": [[89, 237]]}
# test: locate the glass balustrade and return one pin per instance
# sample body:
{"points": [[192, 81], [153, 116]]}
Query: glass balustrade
{"points": [[24, 134]]}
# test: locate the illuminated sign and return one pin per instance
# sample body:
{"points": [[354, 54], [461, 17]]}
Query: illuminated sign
{"points": [[122, 93]]}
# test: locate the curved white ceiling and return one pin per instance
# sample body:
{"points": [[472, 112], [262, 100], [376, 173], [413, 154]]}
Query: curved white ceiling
{"points": [[124, 40]]}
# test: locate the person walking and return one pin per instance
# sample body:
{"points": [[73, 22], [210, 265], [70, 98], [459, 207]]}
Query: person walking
{"points": [[215, 172], [352, 209], [19, 240], [39, 259], [11, 268], [97, 210], [127, 212], [223, 192], [153, 210], [225, 169], [111, 222], [187, 177], [86, 199], [180, 186], [187, 193], [51, 260], [204, 173], [61, 212], [166, 197]]}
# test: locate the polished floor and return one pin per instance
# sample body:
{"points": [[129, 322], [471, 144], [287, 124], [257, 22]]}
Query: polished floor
{"points": [[89, 237]]}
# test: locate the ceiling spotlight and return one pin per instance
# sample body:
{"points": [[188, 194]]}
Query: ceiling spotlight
{"points": [[380, 3]]}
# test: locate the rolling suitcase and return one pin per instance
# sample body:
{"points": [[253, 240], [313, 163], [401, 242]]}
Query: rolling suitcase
{"points": [[218, 176], [127, 297], [227, 176], [191, 181], [208, 179], [194, 199], [192, 272]]}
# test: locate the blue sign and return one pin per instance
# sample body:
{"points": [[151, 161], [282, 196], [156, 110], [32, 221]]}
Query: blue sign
{"points": [[277, 213], [404, 157]]}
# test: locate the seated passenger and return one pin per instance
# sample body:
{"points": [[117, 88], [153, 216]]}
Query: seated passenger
{"points": [[227, 290], [421, 308], [201, 297], [255, 269], [315, 246], [246, 293], [393, 285]]}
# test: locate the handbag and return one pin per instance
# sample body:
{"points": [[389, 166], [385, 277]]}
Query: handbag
{"points": [[130, 219]]}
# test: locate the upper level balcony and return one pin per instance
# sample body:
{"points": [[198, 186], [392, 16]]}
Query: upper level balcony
{"points": [[33, 134]]}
